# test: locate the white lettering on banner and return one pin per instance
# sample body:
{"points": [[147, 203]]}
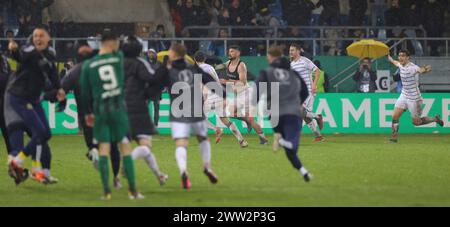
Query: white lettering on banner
{"points": [[446, 112], [72, 114], [324, 108], [383, 81], [428, 103], [384, 112], [352, 111], [348, 108], [51, 115]]}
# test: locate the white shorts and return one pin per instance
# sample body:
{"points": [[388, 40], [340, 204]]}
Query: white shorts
{"points": [[216, 106], [242, 102], [309, 103], [184, 130], [415, 107]]}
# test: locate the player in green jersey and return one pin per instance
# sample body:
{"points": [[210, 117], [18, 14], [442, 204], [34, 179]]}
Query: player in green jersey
{"points": [[102, 91]]}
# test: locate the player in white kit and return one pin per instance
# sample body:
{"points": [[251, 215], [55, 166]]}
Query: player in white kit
{"points": [[305, 69], [411, 98], [215, 103]]}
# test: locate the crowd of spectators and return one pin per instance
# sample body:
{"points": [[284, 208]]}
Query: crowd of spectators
{"points": [[429, 14], [19, 17], [22, 14], [293, 17]]}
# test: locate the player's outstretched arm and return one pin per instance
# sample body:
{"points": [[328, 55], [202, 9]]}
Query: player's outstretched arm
{"points": [[394, 62], [425, 69], [211, 83]]}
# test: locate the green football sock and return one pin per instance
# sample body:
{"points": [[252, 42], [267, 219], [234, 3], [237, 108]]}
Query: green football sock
{"points": [[128, 165], [104, 173]]}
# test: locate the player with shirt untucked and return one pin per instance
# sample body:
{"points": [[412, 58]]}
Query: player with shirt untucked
{"points": [[305, 68], [411, 98]]}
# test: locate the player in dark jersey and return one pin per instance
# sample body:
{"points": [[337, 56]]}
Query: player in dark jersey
{"points": [[139, 76], [287, 118], [185, 87]]}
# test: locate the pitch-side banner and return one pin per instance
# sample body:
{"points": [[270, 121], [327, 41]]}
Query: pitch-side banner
{"points": [[343, 113]]}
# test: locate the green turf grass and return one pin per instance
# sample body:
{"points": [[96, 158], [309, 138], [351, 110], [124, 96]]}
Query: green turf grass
{"points": [[349, 170]]}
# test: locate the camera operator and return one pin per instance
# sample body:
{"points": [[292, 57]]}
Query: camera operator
{"points": [[365, 78]]}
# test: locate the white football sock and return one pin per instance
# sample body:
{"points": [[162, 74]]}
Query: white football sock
{"points": [[181, 156], [236, 132], [303, 171], [139, 153], [313, 126], [144, 152], [205, 150], [286, 144]]}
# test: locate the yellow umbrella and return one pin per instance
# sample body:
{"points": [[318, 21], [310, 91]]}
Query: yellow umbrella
{"points": [[368, 48], [162, 54]]}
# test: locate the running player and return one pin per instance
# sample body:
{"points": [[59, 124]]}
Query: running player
{"points": [[305, 68], [139, 73], [187, 116], [287, 121], [411, 98], [215, 103], [237, 76]]}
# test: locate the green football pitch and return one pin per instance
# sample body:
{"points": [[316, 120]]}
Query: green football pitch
{"points": [[349, 170]]}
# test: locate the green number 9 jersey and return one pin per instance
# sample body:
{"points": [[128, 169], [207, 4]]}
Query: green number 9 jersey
{"points": [[102, 93]]}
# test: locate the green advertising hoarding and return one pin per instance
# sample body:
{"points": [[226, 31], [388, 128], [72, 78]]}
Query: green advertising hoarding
{"points": [[343, 113]]}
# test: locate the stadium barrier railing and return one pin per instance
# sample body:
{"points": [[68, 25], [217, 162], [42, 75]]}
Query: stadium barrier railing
{"points": [[64, 46], [316, 47]]}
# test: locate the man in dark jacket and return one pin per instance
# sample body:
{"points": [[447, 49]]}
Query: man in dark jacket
{"points": [[156, 97], [286, 120], [36, 71], [138, 74], [366, 78]]}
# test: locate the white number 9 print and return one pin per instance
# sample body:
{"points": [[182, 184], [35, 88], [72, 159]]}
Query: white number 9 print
{"points": [[108, 75]]}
